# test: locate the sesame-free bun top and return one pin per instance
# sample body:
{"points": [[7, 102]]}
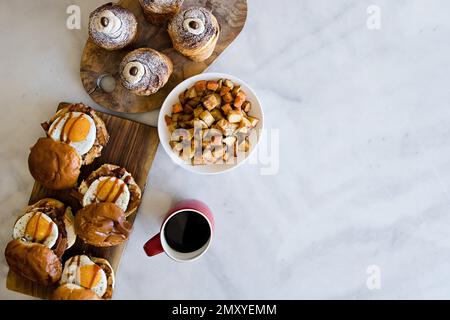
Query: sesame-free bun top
{"points": [[33, 261], [102, 224], [71, 291], [55, 165]]}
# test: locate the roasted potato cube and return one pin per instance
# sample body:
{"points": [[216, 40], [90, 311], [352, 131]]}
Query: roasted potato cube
{"points": [[187, 109], [246, 106], [186, 117], [217, 115], [213, 136], [207, 117], [177, 108], [191, 93], [220, 83], [226, 108], [245, 123], [198, 111], [212, 85], [224, 126], [234, 116], [229, 140], [182, 97], [254, 121], [173, 126], [239, 100], [200, 86], [224, 90], [176, 116], [218, 152], [228, 83], [197, 123], [227, 97], [212, 101], [168, 119], [235, 90]]}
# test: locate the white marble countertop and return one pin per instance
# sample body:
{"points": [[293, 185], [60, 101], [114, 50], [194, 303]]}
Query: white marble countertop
{"points": [[364, 154]]}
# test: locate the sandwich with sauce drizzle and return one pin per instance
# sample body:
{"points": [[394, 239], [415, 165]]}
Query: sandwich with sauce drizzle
{"points": [[75, 137], [41, 236], [108, 196], [85, 278]]}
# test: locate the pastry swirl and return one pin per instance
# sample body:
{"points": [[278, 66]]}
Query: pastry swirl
{"points": [[157, 11], [112, 27], [194, 33], [144, 71]]}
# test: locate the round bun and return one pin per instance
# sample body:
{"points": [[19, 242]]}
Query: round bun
{"points": [[110, 170], [101, 138], [33, 261], [112, 27], [55, 165], [102, 225], [194, 33], [71, 291], [144, 71]]}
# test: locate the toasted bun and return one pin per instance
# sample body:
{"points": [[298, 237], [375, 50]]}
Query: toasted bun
{"points": [[62, 216], [102, 225], [33, 261], [115, 171], [54, 164], [109, 271], [101, 138], [73, 292]]}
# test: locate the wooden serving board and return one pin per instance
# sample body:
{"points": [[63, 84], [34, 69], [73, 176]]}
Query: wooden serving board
{"points": [[97, 62], [133, 146]]}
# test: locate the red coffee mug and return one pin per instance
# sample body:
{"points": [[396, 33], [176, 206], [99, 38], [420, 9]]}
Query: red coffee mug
{"points": [[159, 244]]}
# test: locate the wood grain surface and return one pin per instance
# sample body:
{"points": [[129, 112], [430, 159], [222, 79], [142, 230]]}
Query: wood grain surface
{"points": [[96, 62], [133, 146]]}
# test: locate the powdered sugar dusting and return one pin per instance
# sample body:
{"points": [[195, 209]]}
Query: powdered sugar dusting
{"points": [[186, 38]]}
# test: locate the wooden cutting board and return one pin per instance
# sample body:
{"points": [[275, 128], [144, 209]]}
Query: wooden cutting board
{"points": [[133, 146], [97, 62]]}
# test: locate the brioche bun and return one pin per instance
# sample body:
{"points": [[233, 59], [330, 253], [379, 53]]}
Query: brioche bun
{"points": [[55, 165]]}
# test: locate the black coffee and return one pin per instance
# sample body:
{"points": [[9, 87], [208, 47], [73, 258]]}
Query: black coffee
{"points": [[187, 231]]}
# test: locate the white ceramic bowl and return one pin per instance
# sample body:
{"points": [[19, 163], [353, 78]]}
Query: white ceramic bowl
{"points": [[172, 98]]}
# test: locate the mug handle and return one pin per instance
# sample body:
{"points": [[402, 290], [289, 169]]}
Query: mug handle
{"points": [[153, 246]]}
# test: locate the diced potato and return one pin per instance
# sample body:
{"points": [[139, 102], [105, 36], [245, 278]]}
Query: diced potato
{"points": [[226, 108], [213, 136], [245, 123], [224, 126], [227, 97], [198, 111], [218, 152], [182, 97], [228, 83], [187, 109], [200, 86], [168, 119], [234, 116], [191, 93], [217, 115], [254, 121], [224, 90], [220, 83], [173, 126], [212, 85], [177, 108], [176, 117], [235, 90], [246, 106], [199, 124], [239, 100], [207, 117], [229, 140], [186, 117], [211, 101], [176, 146]]}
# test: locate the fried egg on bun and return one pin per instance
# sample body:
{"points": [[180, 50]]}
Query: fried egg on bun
{"points": [[83, 273]]}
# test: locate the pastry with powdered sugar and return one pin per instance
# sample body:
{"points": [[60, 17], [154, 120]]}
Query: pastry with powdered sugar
{"points": [[112, 27], [158, 11], [144, 71], [194, 33]]}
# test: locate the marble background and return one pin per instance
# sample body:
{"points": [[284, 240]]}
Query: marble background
{"points": [[364, 153]]}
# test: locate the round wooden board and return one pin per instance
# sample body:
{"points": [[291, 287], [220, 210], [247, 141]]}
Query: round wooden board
{"points": [[97, 62]]}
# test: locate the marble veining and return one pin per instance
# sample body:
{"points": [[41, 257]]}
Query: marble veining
{"points": [[364, 154]]}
